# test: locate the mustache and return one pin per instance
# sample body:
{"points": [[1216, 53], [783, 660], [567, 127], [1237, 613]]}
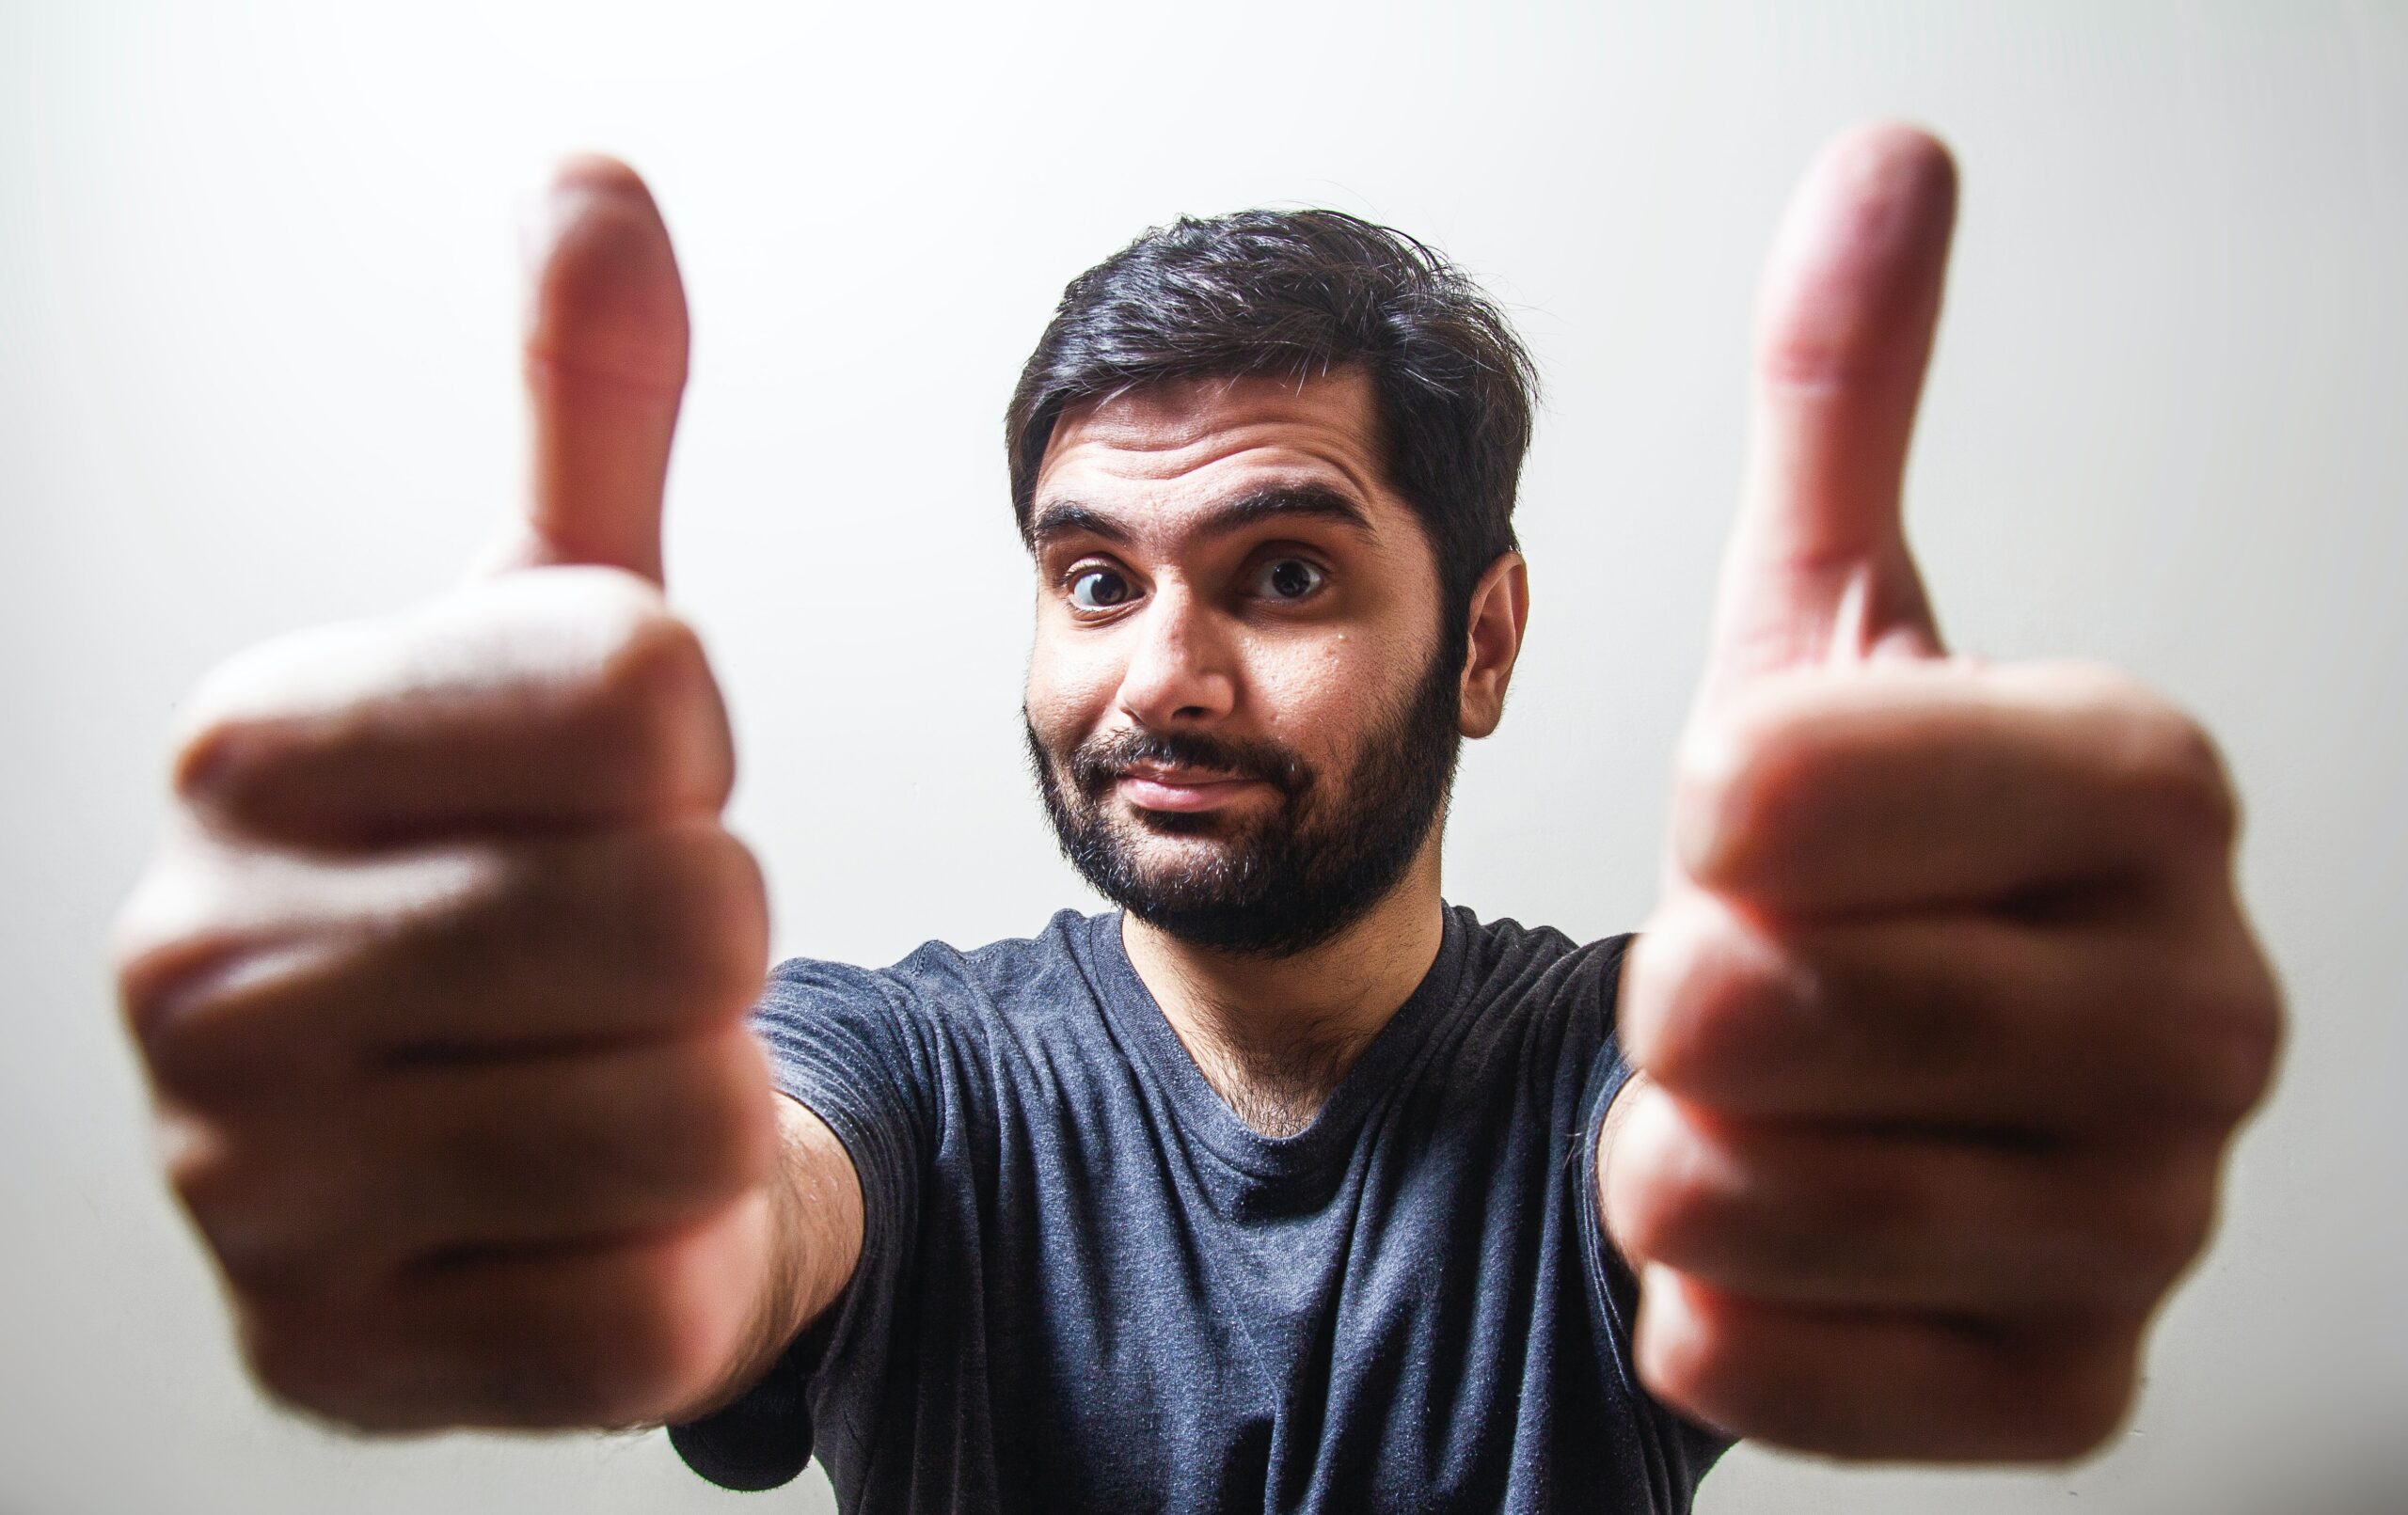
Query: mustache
{"points": [[1100, 760]]}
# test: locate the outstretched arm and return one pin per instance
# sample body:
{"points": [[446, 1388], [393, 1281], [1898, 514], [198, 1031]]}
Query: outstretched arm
{"points": [[441, 972], [815, 1230]]}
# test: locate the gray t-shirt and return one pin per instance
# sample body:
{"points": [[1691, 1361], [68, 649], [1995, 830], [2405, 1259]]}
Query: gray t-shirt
{"points": [[1086, 1285]]}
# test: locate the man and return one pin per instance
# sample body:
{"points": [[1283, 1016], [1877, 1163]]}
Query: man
{"points": [[1285, 1186]]}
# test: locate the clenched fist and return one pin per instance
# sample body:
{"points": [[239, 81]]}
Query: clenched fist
{"points": [[440, 974], [1949, 1010]]}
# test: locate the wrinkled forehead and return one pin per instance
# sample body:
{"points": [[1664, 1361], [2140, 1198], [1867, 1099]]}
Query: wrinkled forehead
{"points": [[1178, 444]]}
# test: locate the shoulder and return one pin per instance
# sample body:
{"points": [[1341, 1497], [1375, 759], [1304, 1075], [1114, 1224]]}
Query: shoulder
{"points": [[1505, 961], [918, 1034], [1537, 1025], [939, 984]]}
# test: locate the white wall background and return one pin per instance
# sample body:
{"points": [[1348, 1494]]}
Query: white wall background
{"points": [[257, 302]]}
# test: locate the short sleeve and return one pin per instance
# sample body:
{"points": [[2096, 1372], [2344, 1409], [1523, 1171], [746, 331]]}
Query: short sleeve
{"points": [[842, 1042], [1682, 1450]]}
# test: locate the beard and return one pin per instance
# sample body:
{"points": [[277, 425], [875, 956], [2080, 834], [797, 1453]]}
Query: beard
{"points": [[1281, 882]]}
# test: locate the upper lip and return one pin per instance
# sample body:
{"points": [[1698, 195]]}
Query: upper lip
{"points": [[1158, 773]]}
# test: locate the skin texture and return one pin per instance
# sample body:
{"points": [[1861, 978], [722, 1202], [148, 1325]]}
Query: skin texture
{"points": [[1949, 1009]]}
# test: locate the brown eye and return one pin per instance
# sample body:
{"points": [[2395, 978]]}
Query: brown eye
{"points": [[1099, 589], [1288, 578]]}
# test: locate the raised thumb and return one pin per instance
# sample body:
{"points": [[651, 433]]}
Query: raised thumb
{"points": [[606, 352], [1817, 568]]}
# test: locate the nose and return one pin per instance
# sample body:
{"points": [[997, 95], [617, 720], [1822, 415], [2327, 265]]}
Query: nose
{"points": [[1182, 665]]}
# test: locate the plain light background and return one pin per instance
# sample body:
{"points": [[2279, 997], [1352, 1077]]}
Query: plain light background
{"points": [[258, 295]]}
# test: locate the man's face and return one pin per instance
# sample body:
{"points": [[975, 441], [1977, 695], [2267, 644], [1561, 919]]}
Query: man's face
{"points": [[1242, 713]]}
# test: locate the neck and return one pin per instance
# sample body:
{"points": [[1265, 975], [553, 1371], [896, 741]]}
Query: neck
{"points": [[1275, 1036]]}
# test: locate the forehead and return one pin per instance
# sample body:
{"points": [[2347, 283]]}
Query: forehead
{"points": [[1179, 444]]}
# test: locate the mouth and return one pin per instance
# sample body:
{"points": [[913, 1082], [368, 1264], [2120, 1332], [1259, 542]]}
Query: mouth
{"points": [[1152, 787]]}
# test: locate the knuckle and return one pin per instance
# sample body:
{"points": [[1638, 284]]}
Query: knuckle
{"points": [[618, 1342], [1667, 1199], [1740, 778], [249, 715], [213, 758], [2211, 1053], [147, 955], [1706, 772], [2156, 1231], [652, 656], [296, 1363], [166, 937], [261, 677], [1687, 1226], [338, 1369], [175, 1005], [156, 985], [263, 1270], [719, 1123], [2241, 1040], [699, 916], [751, 1137], [1695, 1363], [662, 1344], [651, 712], [1654, 1009], [2072, 1404], [212, 1021], [2181, 776], [651, 1342], [2231, 1055], [1722, 999], [276, 1234], [207, 1174], [263, 1260], [233, 702], [2169, 768]]}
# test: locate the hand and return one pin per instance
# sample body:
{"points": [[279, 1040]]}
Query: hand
{"points": [[1949, 1009], [441, 971]]}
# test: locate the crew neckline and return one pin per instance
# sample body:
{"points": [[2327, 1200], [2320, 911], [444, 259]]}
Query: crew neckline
{"points": [[1207, 1117]]}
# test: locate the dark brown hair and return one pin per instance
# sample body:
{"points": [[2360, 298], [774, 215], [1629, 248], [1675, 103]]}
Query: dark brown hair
{"points": [[1302, 293]]}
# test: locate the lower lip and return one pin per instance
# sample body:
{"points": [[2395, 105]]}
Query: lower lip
{"points": [[1153, 794]]}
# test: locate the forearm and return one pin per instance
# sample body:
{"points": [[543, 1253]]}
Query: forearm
{"points": [[812, 1218]]}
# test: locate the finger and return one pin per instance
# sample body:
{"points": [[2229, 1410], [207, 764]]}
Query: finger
{"points": [[1817, 566], [1962, 1022], [1857, 1385], [435, 1160], [1799, 1215], [283, 976], [1933, 783], [568, 1147], [606, 353], [529, 701], [613, 1334]]}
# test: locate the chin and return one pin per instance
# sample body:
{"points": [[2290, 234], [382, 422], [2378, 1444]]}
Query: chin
{"points": [[1165, 853], [1202, 824]]}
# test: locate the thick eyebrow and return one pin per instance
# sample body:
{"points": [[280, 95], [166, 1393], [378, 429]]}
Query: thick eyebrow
{"points": [[1060, 518]]}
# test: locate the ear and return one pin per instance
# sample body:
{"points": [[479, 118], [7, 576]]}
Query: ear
{"points": [[1500, 607]]}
